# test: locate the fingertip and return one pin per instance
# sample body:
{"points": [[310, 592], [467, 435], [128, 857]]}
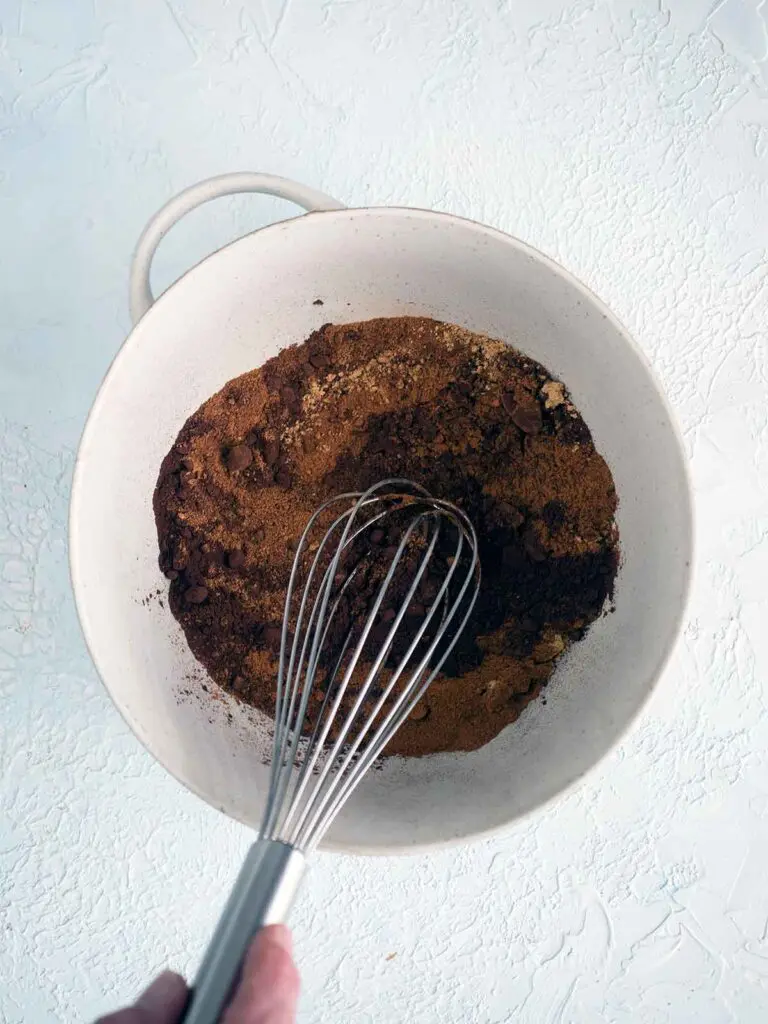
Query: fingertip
{"points": [[271, 956], [278, 935], [269, 988]]}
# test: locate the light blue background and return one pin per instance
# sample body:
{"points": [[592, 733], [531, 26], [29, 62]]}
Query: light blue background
{"points": [[627, 140]]}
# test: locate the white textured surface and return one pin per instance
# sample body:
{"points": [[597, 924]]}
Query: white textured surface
{"points": [[629, 141]]}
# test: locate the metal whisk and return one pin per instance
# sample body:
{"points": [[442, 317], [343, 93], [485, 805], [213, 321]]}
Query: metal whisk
{"points": [[346, 683]]}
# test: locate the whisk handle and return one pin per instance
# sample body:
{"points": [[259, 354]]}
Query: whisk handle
{"points": [[262, 894]]}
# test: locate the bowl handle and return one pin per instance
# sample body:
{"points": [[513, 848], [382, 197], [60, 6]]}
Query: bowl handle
{"points": [[140, 292]]}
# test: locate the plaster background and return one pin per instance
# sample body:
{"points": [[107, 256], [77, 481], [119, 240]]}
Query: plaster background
{"points": [[629, 141]]}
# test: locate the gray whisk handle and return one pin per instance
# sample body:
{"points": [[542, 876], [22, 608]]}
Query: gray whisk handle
{"points": [[263, 894]]}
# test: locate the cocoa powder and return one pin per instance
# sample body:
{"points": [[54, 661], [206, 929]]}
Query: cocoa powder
{"points": [[471, 419]]}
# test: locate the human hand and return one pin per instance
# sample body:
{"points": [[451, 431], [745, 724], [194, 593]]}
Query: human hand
{"points": [[267, 993]]}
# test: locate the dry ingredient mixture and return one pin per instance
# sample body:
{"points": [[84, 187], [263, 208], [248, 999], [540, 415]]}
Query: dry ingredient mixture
{"points": [[472, 420]]}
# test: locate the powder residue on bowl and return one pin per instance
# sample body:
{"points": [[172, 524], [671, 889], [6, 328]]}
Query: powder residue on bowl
{"points": [[471, 419]]}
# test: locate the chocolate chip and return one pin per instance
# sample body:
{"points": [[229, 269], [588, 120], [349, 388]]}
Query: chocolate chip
{"points": [[236, 559], [195, 595], [238, 458], [527, 417], [509, 402], [377, 536], [388, 614], [319, 360], [416, 609], [252, 437], [171, 574], [283, 479], [271, 452]]}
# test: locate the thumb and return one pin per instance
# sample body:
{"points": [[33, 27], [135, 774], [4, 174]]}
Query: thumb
{"points": [[269, 987]]}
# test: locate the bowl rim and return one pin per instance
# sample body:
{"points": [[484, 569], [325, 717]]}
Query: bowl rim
{"points": [[687, 554]]}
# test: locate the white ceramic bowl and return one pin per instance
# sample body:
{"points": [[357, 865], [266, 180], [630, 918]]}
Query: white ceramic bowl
{"points": [[242, 305]]}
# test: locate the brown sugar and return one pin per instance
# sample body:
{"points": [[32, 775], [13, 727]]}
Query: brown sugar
{"points": [[469, 418]]}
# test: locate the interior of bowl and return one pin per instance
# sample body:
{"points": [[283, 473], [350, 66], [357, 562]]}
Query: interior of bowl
{"points": [[238, 308]]}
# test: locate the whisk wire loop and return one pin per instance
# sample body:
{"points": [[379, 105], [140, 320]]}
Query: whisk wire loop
{"points": [[312, 776]]}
